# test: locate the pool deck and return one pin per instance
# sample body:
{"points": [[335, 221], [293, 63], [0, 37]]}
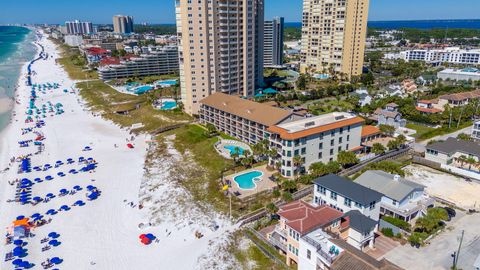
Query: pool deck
{"points": [[262, 185], [219, 147]]}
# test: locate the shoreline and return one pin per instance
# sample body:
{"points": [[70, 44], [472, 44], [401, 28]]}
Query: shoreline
{"points": [[104, 233]]}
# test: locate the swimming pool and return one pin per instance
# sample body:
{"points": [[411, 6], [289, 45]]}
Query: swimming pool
{"points": [[166, 83], [168, 105], [247, 180], [232, 149], [143, 89]]}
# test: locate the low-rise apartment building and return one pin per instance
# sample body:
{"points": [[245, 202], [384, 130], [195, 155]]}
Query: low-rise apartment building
{"points": [[346, 195], [452, 55], [241, 118], [401, 199], [314, 139], [466, 74], [158, 62], [450, 151]]}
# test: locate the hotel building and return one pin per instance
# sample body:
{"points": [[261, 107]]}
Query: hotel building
{"points": [[122, 24], [314, 139], [273, 42], [333, 35], [158, 62], [78, 28], [453, 55], [240, 118], [220, 47]]}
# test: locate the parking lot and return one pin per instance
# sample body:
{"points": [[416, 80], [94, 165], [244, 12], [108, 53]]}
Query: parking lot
{"points": [[437, 254], [446, 186]]}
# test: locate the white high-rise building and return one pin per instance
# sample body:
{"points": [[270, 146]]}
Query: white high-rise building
{"points": [[452, 55], [220, 44], [273, 42], [78, 28]]}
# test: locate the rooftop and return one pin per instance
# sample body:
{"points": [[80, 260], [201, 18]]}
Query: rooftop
{"points": [[314, 125], [349, 189], [428, 110], [370, 130], [360, 222], [303, 217], [453, 145], [253, 111], [462, 96], [387, 184]]}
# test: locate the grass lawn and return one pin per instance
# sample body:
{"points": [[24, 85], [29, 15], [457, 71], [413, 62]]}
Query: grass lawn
{"points": [[102, 98], [442, 131], [421, 130]]}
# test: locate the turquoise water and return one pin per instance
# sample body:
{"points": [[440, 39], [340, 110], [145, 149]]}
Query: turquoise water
{"points": [[246, 180], [143, 89], [231, 148], [168, 105], [168, 82], [16, 48], [321, 76]]}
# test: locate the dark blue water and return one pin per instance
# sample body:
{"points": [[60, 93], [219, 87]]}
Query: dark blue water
{"points": [[423, 24]]}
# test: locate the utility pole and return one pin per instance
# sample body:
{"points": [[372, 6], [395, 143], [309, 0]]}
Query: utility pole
{"points": [[455, 255]]}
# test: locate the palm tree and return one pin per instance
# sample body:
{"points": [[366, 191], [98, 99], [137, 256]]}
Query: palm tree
{"points": [[462, 159], [297, 162], [470, 161]]}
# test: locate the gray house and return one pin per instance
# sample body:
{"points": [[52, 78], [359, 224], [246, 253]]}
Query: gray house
{"points": [[390, 116], [402, 198]]}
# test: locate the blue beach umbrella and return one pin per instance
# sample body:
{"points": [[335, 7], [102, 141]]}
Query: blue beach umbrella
{"points": [[17, 261], [63, 191], [18, 242], [37, 198], [65, 207], [56, 260], [51, 212], [50, 195], [77, 188], [20, 217], [53, 235], [54, 242]]}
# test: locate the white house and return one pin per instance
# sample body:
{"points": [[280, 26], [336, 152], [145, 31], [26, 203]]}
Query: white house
{"points": [[402, 198], [346, 195], [365, 97]]}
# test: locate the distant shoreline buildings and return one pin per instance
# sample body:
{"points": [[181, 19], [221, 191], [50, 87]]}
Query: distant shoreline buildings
{"points": [[273, 42], [78, 28], [453, 55]]}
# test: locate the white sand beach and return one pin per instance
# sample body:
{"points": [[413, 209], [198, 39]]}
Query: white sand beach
{"points": [[103, 233]]}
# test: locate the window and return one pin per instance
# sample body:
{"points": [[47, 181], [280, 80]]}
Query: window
{"points": [[304, 150], [309, 254], [320, 155], [358, 205], [348, 138], [332, 142], [348, 202], [372, 205], [320, 146], [340, 140], [394, 202], [333, 195], [322, 190], [331, 152]]}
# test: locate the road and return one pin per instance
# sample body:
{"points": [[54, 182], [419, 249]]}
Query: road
{"points": [[420, 146], [437, 255]]}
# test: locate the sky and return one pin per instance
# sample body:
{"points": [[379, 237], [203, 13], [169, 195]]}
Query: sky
{"points": [[162, 11]]}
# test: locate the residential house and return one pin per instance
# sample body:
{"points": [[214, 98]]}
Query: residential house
{"points": [[427, 107], [314, 139], [346, 195], [426, 79], [457, 99], [364, 97], [454, 152], [389, 116], [401, 199], [476, 130], [393, 90], [409, 87], [298, 219]]}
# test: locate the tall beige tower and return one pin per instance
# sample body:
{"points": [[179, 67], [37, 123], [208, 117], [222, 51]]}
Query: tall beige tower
{"points": [[220, 46], [333, 36]]}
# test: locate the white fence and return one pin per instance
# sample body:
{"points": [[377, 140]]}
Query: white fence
{"points": [[462, 172]]}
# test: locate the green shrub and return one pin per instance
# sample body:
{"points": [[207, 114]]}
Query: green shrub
{"points": [[398, 235], [387, 232], [397, 222]]}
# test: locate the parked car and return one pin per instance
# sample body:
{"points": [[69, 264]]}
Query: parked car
{"points": [[451, 212]]}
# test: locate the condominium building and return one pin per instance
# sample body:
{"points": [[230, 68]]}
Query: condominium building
{"points": [[466, 74], [452, 55], [220, 48], [122, 24], [333, 36], [240, 118], [314, 139], [273, 42], [162, 61], [78, 28]]}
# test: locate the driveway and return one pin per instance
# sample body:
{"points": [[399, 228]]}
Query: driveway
{"points": [[383, 245], [437, 255]]}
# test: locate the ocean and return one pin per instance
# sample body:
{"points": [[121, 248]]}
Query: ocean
{"points": [[419, 24], [15, 49]]}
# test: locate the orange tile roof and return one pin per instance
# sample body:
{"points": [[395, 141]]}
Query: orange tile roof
{"points": [[370, 130], [428, 110], [303, 217], [284, 134]]}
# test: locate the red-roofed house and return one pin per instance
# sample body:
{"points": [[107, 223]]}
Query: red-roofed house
{"points": [[298, 219], [428, 107], [96, 54]]}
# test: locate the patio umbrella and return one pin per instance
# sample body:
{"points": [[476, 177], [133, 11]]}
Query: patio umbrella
{"points": [[56, 260]]}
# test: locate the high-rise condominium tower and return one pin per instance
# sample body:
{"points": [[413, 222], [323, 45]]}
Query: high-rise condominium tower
{"points": [[122, 24], [220, 46], [78, 28], [273, 42], [333, 36]]}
